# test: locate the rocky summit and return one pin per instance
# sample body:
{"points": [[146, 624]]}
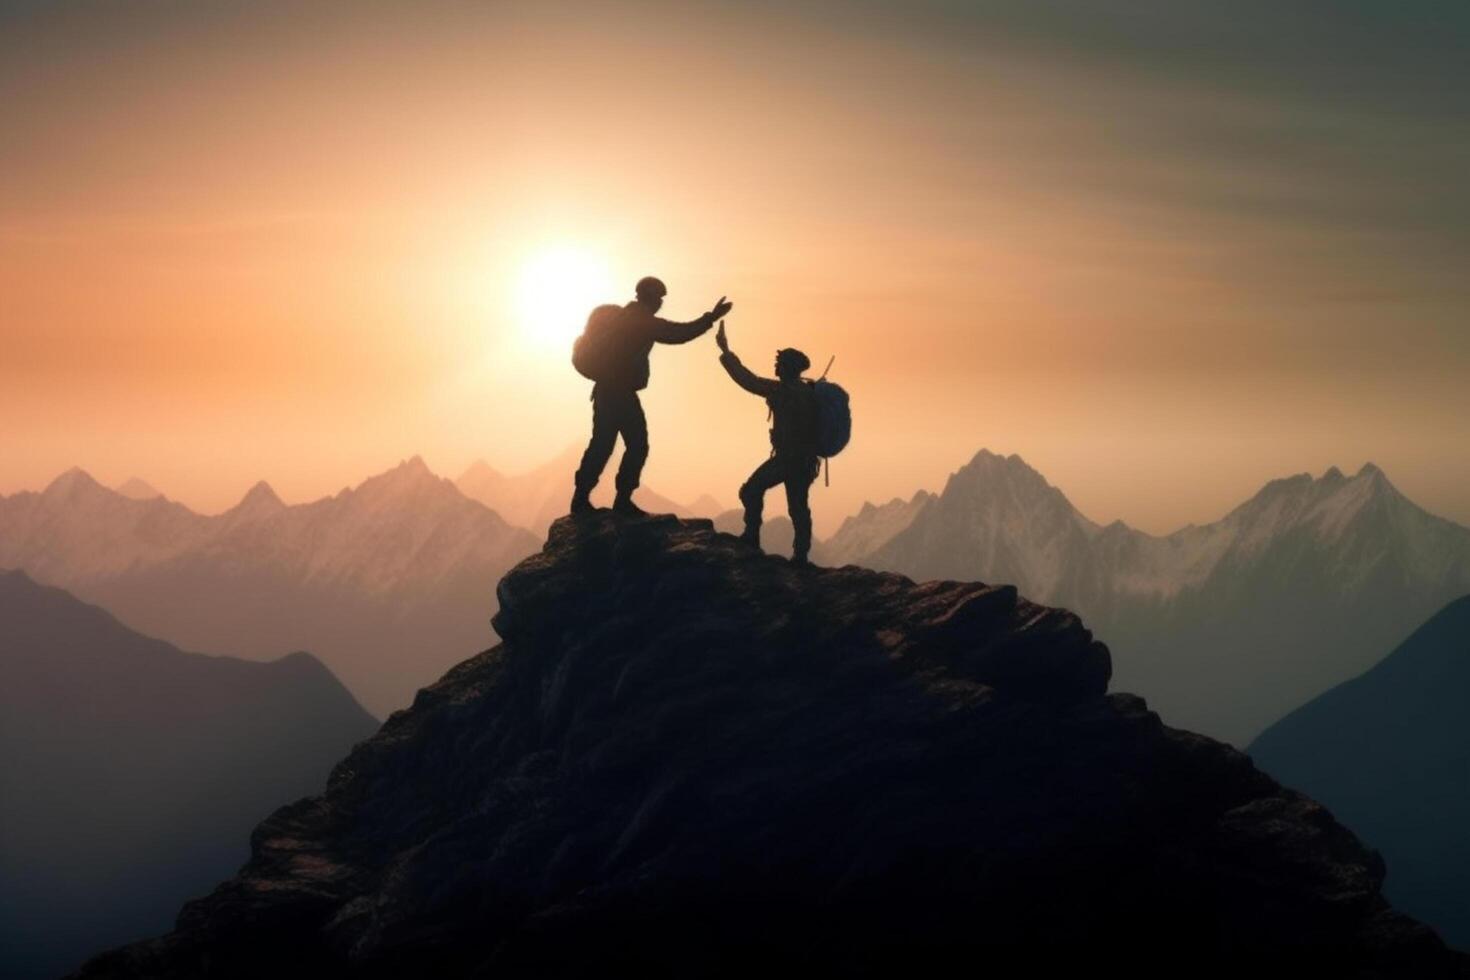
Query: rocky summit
{"points": [[688, 758]]}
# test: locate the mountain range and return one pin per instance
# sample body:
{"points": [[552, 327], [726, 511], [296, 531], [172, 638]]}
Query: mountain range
{"points": [[1389, 751], [388, 582], [131, 772], [1226, 626]]}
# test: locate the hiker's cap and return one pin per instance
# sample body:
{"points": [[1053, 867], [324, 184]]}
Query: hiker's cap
{"points": [[790, 357], [650, 287]]}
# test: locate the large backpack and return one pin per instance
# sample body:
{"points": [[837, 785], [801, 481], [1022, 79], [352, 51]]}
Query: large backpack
{"points": [[833, 418], [595, 353]]}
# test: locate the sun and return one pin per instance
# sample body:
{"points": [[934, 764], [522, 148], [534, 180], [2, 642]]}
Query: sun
{"points": [[556, 288]]}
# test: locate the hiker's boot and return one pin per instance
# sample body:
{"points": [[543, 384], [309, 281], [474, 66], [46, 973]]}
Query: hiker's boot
{"points": [[751, 536], [800, 559], [581, 502], [624, 505]]}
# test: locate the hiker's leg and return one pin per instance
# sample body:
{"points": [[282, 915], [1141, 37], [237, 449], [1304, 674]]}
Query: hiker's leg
{"points": [[753, 495], [600, 446], [634, 428], [799, 477]]}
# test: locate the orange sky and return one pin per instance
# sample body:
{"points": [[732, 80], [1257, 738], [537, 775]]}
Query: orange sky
{"points": [[242, 242]]}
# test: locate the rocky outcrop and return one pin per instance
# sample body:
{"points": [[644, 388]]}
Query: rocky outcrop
{"points": [[692, 759]]}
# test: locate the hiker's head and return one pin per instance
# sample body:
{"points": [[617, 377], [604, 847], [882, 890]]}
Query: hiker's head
{"points": [[651, 292], [790, 362]]}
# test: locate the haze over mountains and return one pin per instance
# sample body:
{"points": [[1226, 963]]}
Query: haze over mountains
{"points": [[137, 489], [1225, 627], [131, 772], [539, 496], [1389, 752], [389, 582]]}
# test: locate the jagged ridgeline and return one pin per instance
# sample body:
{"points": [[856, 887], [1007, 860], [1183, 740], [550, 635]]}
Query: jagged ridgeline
{"points": [[689, 759]]}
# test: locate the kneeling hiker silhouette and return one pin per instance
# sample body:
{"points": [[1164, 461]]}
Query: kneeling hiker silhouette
{"points": [[795, 424]]}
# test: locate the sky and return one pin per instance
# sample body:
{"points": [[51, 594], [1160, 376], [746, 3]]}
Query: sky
{"points": [[1165, 250]]}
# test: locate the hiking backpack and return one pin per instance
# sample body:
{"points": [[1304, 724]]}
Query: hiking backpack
{"points": [[594, 354], [834, 417]]}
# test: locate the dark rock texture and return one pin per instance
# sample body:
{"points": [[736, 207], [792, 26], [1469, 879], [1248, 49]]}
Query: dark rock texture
{"points": [[689, 759]]}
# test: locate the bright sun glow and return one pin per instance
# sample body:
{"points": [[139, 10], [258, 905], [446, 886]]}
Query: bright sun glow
{"points": [[556, 289]]}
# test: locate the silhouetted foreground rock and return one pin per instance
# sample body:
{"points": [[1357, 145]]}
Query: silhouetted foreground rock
{"points": [[692, 759]]}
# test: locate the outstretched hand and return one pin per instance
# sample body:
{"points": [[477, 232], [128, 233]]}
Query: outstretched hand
{"points": [[721, 308], [720, 340]]}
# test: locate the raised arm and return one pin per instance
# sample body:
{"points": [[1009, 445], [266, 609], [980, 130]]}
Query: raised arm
{"points": [[669, 332], [742, 375]]}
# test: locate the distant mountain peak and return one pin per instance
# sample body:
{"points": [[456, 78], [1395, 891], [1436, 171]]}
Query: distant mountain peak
{"points": [[259, 499], [1372, 473], [137, 489], [706, 506], [1373, 483], [412, 485], [989, 459], [410, 474], [1369, 481], [993, 477], [73, 481], [988, 465], [1369, 472], [1287, 483], [868, 508], [480, 470]]}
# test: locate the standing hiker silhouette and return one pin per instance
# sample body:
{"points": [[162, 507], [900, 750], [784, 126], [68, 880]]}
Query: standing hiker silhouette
{"points": [[793, 459], [619, 369]]}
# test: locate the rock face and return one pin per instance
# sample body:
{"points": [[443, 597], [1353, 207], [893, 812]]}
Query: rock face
{"points": [[1390, 753], [691, 759]]}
